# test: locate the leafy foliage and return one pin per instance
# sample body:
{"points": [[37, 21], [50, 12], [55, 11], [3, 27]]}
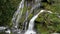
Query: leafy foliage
{"points": [[7, 9], [46, 23]]}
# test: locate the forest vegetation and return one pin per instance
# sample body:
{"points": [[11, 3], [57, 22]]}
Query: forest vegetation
{"points": [[46, 23]]}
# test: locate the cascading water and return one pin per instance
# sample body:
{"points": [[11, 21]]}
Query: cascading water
{"points": [[16, 17], [31, 24], [2, 28], [8, 31], [18, 14], [34, 6], [26, 20]]}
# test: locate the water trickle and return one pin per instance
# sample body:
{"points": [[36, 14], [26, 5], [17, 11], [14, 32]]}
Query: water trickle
{"points": [[16, 17], [26, 20]]}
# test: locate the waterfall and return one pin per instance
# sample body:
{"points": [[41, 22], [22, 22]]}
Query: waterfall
{"points": [[31, 24], [31, 10], [35, 4], [26, 20], [16, 17]]}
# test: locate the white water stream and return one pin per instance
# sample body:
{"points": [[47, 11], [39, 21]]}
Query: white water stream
{"points": [[18, 15], [31, 24]]}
